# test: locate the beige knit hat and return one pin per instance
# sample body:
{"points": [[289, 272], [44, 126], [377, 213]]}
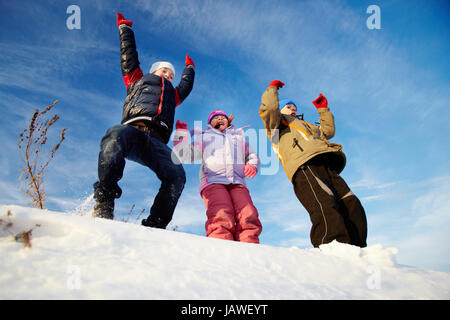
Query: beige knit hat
{"points": [[162, 64]]}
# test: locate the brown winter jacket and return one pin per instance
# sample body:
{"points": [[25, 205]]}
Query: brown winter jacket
{"points": [[296, 141]]}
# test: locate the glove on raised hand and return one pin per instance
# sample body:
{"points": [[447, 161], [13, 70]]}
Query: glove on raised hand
{"points": [[249, 171], [320, 102], [121, 20], [276, 83], [181, 125], [189, 61]]}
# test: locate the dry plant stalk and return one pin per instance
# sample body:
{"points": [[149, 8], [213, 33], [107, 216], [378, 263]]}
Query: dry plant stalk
{"points": [[140, 214], [34, 138], [129, 214], [24, 236]]}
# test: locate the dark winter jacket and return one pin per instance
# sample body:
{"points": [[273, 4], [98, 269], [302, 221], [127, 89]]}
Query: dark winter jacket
{"points": [[150, 98]]}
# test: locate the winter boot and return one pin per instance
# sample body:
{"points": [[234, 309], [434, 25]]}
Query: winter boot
{"points": [[154, 223], [104, 200], [104, 209]]}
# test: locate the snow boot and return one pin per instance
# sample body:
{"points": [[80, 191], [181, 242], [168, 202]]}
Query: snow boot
{"points": [[154, 223], [104, 209], [104, 196]]}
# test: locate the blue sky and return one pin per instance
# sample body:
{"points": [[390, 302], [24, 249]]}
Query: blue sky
{"points": [[389, 90]]}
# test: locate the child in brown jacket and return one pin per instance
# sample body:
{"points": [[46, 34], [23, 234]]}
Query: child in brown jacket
{"points": [[313, 165]]}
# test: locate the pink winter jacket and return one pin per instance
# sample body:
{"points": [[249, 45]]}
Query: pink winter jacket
{"points": [[223, 155]]}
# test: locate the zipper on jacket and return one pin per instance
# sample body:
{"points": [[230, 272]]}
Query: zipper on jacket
{"points": [[162, 95], [297, 144]]}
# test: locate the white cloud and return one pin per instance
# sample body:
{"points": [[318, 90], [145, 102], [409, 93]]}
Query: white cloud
{"points": [[416, 223], [336, 56], [433, 207]]}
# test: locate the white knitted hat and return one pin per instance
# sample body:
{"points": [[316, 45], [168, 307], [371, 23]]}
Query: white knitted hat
{"points": [[162, 64]]}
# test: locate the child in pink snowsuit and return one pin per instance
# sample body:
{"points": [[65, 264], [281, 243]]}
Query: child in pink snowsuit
{"points": [[226, 160]]}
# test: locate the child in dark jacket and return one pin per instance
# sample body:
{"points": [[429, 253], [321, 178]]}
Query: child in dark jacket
{"points": [[146, 126]]}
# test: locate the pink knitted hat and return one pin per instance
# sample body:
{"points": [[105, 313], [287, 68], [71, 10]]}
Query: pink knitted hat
{"points": [[216, 113]]}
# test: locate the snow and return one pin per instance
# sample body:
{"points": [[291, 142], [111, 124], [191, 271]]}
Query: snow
{"points": [[75, 256]]}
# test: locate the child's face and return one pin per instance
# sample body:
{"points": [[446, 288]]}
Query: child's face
{"points": [[165, 72], [289, 109], [220, 123]]}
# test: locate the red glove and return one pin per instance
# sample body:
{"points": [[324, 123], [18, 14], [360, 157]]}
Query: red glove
{"points": [[181, 125], [249, 171], [189, 61], [321, 102], [276, 83], [121, 19]]}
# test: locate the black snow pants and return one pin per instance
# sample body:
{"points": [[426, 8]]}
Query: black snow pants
{"points": [[335, 211]]}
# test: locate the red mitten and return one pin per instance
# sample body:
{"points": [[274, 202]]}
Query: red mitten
{"points": [[276, 83], [321, 102], [189, 61], [121, 19], [249, 171], [181, 125]]}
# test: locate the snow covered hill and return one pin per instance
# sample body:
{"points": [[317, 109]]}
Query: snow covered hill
{"points": [[78, 257]]}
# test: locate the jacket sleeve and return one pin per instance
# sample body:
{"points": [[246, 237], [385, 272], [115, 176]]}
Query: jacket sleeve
{"points": [[129, 61], [326, 122], [251, 157], [186, 84], [185, 151], [269, 111]]}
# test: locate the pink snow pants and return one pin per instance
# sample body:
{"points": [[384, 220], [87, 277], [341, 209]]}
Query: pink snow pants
{"points": [[231, 213]]}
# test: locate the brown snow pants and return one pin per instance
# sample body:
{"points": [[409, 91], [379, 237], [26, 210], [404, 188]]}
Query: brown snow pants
{"points": [[335, 211]]}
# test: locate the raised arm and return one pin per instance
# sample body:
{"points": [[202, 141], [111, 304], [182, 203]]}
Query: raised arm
{"points": [[129, 61], [187, 81], [327, 126], [269, 110]]}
